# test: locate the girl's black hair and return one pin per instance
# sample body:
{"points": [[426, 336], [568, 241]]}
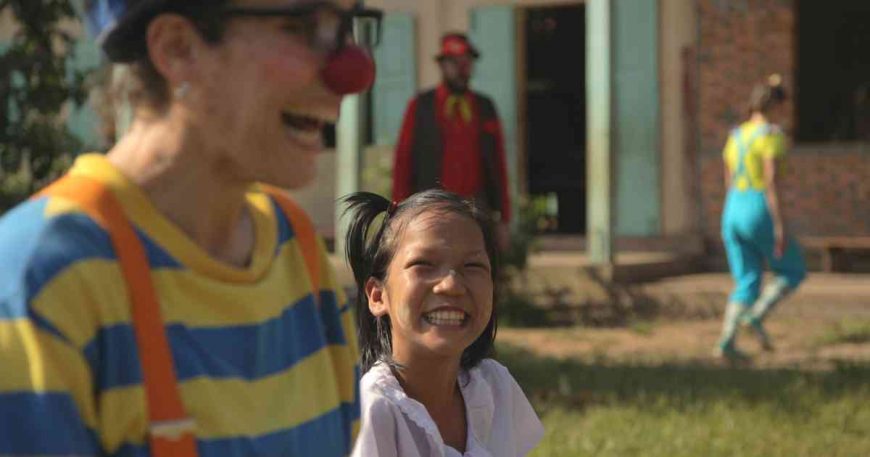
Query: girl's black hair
{"points": [[375, 228]]}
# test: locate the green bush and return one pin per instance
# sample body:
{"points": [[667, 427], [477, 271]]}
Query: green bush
{"points": [[530, 212], [516, 308], [38, 85]]}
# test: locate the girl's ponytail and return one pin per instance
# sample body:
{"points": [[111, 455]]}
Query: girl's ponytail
{"points": [[360, 248], [765, 96], [362, 245]]}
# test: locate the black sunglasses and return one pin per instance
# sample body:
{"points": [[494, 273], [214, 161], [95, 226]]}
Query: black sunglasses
{"points": [[362, 25]]}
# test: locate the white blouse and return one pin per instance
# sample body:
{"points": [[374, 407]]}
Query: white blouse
{"points": [[501, 422]]}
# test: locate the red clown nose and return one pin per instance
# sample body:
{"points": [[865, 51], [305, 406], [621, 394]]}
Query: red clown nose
{"points": [[349, 71]]}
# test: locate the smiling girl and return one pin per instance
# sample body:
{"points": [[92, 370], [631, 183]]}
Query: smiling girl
{"points": [[424, 278]]}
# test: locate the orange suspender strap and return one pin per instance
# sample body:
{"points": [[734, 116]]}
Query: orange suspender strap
{"points": [[171, 431], [305, 235]]}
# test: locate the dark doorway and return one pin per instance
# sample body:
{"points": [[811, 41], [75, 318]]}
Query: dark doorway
{"points": [[833, 75], [556, 111]]}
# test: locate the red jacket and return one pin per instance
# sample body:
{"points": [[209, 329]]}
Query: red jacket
{"points": [[466, 154]]}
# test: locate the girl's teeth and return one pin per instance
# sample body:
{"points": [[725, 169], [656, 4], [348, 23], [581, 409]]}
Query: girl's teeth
{"points": [[454, 318]]}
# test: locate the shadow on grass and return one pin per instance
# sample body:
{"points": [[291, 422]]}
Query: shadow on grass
{"points": [[575, 384]]}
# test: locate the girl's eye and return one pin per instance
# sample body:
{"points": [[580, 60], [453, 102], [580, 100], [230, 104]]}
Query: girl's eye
{"points": [[420, 263], [477, 266]]}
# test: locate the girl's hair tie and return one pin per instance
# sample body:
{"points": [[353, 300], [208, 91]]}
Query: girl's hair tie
{"points": [[392, 209], [774, 80]]}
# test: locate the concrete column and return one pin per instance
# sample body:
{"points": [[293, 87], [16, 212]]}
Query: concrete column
{"points": [[348, 161], [350, 141], [601, 132]]}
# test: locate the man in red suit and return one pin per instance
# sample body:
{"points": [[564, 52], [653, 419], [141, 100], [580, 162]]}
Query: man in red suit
{"points": [[451, 138]]}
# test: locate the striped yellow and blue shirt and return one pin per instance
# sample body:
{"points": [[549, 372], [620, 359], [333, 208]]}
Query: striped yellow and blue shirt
{"points": [[263, 368]]}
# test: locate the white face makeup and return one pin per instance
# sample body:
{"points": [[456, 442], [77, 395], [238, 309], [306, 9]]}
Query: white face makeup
{"points": [[259, 105]]}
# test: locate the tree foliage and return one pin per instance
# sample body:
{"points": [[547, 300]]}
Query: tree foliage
{"points": [[38, 85]]}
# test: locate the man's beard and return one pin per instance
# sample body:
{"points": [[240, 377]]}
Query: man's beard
{"points": [[457, 85]]}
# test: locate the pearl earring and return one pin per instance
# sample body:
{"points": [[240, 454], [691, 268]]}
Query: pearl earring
{"points": [[182, 90]]}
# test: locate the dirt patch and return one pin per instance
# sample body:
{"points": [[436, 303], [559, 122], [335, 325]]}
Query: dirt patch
{"points": [[797, 340], [681, 321]]}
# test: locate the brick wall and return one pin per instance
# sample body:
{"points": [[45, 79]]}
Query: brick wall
{"points": [[741, 42], [824, 193]]}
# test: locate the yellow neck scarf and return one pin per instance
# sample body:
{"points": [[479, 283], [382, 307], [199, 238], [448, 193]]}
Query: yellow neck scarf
{"points": [[458, 103]]}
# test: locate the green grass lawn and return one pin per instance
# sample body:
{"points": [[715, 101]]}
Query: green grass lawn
{"points": [[604, 408], [846, 331]]}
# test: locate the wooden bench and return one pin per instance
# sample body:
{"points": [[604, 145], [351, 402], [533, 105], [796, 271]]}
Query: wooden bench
{"points": [[834, 249]]}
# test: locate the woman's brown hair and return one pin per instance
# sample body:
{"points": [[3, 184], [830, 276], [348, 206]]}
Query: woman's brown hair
{"points": [[766, 95], [127, 45]]}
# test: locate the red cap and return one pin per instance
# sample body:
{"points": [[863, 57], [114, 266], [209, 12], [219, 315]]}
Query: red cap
{"points": [[455, 45]]}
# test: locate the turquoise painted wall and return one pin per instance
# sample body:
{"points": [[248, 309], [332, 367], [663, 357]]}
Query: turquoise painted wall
{"points": [[636, 116], [396, 80], [493, 32]]}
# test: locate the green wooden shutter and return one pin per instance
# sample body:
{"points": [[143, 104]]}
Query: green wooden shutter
{"points": [[636, 105], [493, 32], [396, 81]]}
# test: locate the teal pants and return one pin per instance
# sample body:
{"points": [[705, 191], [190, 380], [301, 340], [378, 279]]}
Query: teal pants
{"points": [[747, 230]]}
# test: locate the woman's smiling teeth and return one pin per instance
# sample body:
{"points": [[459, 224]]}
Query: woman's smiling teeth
{"points": [[445, 317], [305, 129]]}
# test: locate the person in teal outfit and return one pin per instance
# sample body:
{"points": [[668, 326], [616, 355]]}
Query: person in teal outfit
{"points": [[753, 227]]}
